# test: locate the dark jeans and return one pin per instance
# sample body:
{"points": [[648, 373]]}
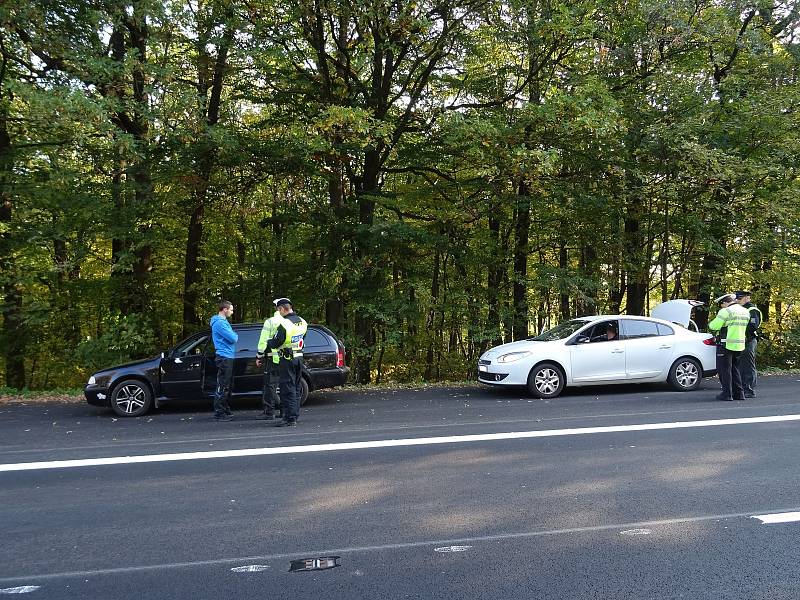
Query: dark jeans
{"points": [[269, 395], [729, 376], [748, 366], [222, 394], [289, 377]]}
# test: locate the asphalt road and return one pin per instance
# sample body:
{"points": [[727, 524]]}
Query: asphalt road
{"points": [[617, 492]]}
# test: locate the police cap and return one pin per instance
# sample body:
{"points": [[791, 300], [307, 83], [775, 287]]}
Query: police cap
{"points": [[725, 298]]}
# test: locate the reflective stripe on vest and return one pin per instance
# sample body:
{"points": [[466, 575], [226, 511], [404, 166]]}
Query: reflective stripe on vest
{"points": [[736, 318], [294, 336], [268, 331]]}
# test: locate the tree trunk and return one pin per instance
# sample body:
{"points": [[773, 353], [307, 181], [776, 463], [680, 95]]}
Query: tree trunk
{"points": [[587, 303], [209, 89], [133, 294], [140, 171], [370, 276], [763, 293], [711, 269], [522, 225], [637, 265], [493, 282], [431, 320], [14, 335], [563, 296]]}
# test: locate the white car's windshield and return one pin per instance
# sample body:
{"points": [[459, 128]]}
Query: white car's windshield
{"points": [[561, 331]]}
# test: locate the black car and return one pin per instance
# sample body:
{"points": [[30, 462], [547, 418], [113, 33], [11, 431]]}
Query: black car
{"points": [[187, 372]]}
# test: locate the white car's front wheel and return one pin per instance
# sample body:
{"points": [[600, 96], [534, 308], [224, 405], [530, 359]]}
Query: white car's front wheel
{"points": [[546, 380]]}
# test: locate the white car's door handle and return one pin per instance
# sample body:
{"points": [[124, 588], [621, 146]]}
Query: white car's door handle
{"points": [[664, 347], [617, 351]]}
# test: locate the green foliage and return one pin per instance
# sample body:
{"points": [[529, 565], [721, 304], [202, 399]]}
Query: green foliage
{"points": [[125, 338], [400, 171]]}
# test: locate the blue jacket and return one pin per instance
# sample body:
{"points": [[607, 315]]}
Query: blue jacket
{"points": [[224, 337]]}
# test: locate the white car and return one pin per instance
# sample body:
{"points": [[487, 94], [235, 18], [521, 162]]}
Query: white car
{"points": [[607, 349]]}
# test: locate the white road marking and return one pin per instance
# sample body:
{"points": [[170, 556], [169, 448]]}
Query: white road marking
{"points": [[636, 532], [383, 547], [452, 549], [327, 432], [786, 517], [24, 589], [250, 568], [460, 439]]}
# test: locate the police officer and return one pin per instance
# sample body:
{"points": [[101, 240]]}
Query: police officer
{"points": [[269, 396], [288, 342], [748, 363], [731, 323]]}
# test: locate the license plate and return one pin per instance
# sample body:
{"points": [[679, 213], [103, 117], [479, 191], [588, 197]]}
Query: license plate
{"points": [[483, 368]]}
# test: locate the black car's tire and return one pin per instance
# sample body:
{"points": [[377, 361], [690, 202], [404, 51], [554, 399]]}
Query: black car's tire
{"points": [[131, 398], [685, 374], [303, 391], [546, 380]]}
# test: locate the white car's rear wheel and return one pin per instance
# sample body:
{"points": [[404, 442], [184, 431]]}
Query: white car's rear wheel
{"points": [[685, 374], [546, 380]]}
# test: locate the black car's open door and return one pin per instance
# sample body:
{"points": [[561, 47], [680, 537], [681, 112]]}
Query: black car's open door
{"points": [[247, 378], [182, 368]]}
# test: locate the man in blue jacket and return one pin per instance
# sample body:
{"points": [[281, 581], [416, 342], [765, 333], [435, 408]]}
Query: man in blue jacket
{"points": [[225, 339]]}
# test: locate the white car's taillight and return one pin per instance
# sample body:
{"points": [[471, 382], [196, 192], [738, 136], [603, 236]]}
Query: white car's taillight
{"points": [[710, 341]]}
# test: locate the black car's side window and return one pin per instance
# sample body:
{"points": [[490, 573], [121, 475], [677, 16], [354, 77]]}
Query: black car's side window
{"points": [[315, 339], [248, 340], [194, 345]]}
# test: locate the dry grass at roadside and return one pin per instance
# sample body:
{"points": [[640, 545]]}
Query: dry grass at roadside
{"points": [[10, 395]]}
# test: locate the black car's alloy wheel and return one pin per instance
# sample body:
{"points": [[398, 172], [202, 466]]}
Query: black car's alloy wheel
{"points": [[303, 391], [131, 398], [546, 380]]}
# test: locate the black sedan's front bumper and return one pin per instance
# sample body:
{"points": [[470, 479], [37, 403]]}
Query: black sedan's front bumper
{"points": [[97, 395]]}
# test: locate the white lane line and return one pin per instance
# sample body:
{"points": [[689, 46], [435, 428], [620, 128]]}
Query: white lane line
{"points": [[384, 547], [250, 569], [446, 549], [786, 517], [329, 432], [460, 439], [23, 589]]}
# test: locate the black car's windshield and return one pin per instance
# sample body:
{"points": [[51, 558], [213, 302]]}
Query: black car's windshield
{"points": [[561, 331]]}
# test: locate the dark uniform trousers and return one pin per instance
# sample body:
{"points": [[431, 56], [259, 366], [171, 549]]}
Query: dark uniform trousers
{"points": [[747, 367], [269, 395], [729, 375], [289, 373], [222, 393]]}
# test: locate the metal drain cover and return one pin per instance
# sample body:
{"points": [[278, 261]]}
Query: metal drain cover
{"points": [[314, 564]]}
